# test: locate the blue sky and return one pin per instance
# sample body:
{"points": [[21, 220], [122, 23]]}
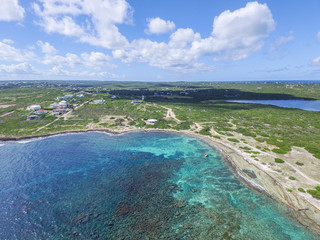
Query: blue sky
{"points": [[152, 40]]}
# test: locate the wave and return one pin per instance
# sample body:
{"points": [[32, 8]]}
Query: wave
{"points": [[252, 183]]}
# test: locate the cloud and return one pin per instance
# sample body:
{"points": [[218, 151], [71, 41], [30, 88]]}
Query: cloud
{"points": [[316, 61], [235, 36], [7, 41], [11, 11], [18, 69], [60, 71], [95, 60], [46, 48], [159, 26], [90, 21], [10, 53], [281, 41], [238, 33], [182, 37]]}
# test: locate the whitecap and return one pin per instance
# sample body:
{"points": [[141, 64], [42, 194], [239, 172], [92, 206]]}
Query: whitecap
{"points": [[252, 183]]}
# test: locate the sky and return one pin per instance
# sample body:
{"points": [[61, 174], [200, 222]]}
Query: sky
{"points": [[160, 40]]}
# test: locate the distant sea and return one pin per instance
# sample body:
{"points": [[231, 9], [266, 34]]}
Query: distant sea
{"points": [[131, 186]]}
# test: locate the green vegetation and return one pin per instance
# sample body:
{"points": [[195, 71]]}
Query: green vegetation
{"points": [[233, 140], [292, 178], [289, 190], [278, 160], [299, 163], [205, 131], [315, 193], [204, 103], [301, 190]]}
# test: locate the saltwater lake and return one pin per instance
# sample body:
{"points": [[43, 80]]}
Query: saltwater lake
{"points": [[131, 186], [300, 104]]}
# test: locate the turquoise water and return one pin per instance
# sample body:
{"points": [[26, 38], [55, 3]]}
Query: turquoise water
{"points": [[307, 105], [131, 186]]}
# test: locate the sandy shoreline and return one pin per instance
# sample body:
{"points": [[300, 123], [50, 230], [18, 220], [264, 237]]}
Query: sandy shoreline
{"points": [[304, 211]]}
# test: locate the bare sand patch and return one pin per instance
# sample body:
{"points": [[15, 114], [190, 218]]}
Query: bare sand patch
{"points": [[6, 105]]}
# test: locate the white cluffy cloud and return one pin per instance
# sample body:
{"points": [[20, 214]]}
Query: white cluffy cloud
{"points": [[12, 54], [18, 69], [61, 72], [90, 21], [10, 10], [235, 36], [47, 48], [316, 61], [94, 60], [159, 26]]}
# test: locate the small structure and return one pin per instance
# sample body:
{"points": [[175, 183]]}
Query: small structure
{"points": [[63, 104], [80, 95], [68, 96], [41, 111], [152, 121], [114, 97], [54, 105], [32, 117], [34, 107], [99, 101], [59, 111]]}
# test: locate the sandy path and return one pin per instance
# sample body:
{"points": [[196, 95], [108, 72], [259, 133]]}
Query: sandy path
{"points": [[170, 114], [310, 180], [3, 115], [199, 127]]}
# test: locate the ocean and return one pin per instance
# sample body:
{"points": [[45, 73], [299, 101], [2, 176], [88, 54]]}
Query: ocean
{"points": [[137, 185]]}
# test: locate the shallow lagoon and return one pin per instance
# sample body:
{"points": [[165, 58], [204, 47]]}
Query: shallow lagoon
{"points": [[307, 105], [131, 186]]}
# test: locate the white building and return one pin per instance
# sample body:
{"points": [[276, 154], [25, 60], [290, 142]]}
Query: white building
{"points": [[63, 104], [99, 101], [34, 107], [68, 96], [152, 120], [54, 105]]}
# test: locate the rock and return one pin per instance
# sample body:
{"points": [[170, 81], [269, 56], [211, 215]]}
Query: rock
{"points": [[188, 226], [109, 224], [179, 189], [177, 213], [193, 190], [181, 204]]}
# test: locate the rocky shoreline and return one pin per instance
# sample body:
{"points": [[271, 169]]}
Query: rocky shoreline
{"points": [[254, 177]]}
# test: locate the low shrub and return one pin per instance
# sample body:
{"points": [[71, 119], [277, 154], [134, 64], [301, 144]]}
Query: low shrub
{"points": [[301, 190], [315, 193], [205, 131], [292, 178], [233, 140], [278, 160], [299, 163], [279, 151]]}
